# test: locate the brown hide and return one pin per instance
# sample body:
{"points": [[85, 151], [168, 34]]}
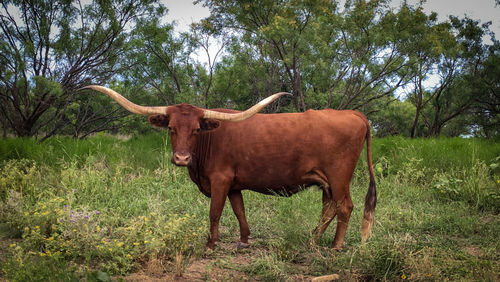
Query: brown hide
{"points": [[273, 154], [276, 152]]}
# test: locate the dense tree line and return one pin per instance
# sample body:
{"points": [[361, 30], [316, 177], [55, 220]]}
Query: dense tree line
{"points": [[410, 73]]}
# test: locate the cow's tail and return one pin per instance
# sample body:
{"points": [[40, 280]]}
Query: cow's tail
{"points": [[371, 195]]}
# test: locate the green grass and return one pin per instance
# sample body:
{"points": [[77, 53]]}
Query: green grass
{"points": [[104, 206]]}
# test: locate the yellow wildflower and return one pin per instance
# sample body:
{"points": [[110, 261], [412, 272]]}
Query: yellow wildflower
{"points": [[403, 277], [12, 245], [136, 244]]}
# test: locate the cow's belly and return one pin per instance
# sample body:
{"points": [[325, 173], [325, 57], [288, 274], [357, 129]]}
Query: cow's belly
{"points": [[276, 178], [284, 191]]}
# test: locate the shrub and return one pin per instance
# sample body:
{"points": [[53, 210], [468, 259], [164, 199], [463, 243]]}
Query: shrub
{"points": [[62, 227], [474, 185]]}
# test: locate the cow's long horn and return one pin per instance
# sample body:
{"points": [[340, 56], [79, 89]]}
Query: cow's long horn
{"points": [[246, 114], [134, 108]]}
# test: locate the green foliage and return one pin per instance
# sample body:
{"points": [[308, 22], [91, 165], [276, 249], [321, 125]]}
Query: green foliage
{"points": [[395, 119], [85, 211], [162, 62], [51, 48], [35, 268], [66, 228], [474, 185], [102, 207], [18, 175], [364, 55], [268, 268]]}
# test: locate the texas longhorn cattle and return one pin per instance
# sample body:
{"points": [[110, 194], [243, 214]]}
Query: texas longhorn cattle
{"points": [[228, 151]]}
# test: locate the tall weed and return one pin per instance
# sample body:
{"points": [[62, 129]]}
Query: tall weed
{"points": [[474, 185]]}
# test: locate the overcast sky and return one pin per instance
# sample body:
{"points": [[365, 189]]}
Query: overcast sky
{"points": [[184, 12]]}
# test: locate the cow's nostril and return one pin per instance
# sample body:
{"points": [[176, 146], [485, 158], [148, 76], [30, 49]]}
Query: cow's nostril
{"points": [[182, 158]]}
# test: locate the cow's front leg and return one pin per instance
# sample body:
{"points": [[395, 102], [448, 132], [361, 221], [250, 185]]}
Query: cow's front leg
{"points": [[236, 200], [219, 189]]}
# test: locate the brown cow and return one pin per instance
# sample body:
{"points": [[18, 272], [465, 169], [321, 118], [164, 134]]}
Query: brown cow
{"points": [[267, 153]]}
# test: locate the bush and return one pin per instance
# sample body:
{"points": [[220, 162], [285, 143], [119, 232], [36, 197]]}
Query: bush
{"points": [[474, 185], [59, 223]]}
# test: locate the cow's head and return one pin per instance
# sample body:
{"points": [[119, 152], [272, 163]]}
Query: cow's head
{"points": [[184, 122]]}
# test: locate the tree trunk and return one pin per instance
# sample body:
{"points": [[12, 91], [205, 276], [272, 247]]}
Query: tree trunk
{"points": [[415, 122], [297, 89], [24, 128]]}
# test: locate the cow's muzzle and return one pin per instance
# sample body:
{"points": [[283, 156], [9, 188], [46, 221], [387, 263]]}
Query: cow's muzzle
{"points": [[181, 158]]}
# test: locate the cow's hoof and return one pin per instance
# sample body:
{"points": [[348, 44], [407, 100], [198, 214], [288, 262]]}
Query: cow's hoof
{"points": [[338, 248], [208, 252], [210, 248], [241, 245]]}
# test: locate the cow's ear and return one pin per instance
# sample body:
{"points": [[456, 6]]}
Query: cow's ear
{"points": [[209, 124], [159, 120]]}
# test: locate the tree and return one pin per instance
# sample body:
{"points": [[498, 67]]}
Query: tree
{"points": [[50, 48], [335, 59], [357, 56], [244, 77], [203, 38], [395, 118], [486, 109], [278, 28], [460, 89], [475, 90], [160, 60]]}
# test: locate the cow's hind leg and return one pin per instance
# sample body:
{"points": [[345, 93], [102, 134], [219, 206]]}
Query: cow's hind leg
{"points": [[327, 214], [236, 200], [344, 206]]}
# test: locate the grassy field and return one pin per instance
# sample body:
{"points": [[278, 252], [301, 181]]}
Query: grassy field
{"points": [[107, 209]]}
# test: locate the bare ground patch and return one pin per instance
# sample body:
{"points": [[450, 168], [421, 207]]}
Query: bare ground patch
{"points": [[226, 263]]}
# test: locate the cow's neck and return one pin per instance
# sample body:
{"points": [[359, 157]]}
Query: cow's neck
{"points": [[202, 151], [201, 156]]}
